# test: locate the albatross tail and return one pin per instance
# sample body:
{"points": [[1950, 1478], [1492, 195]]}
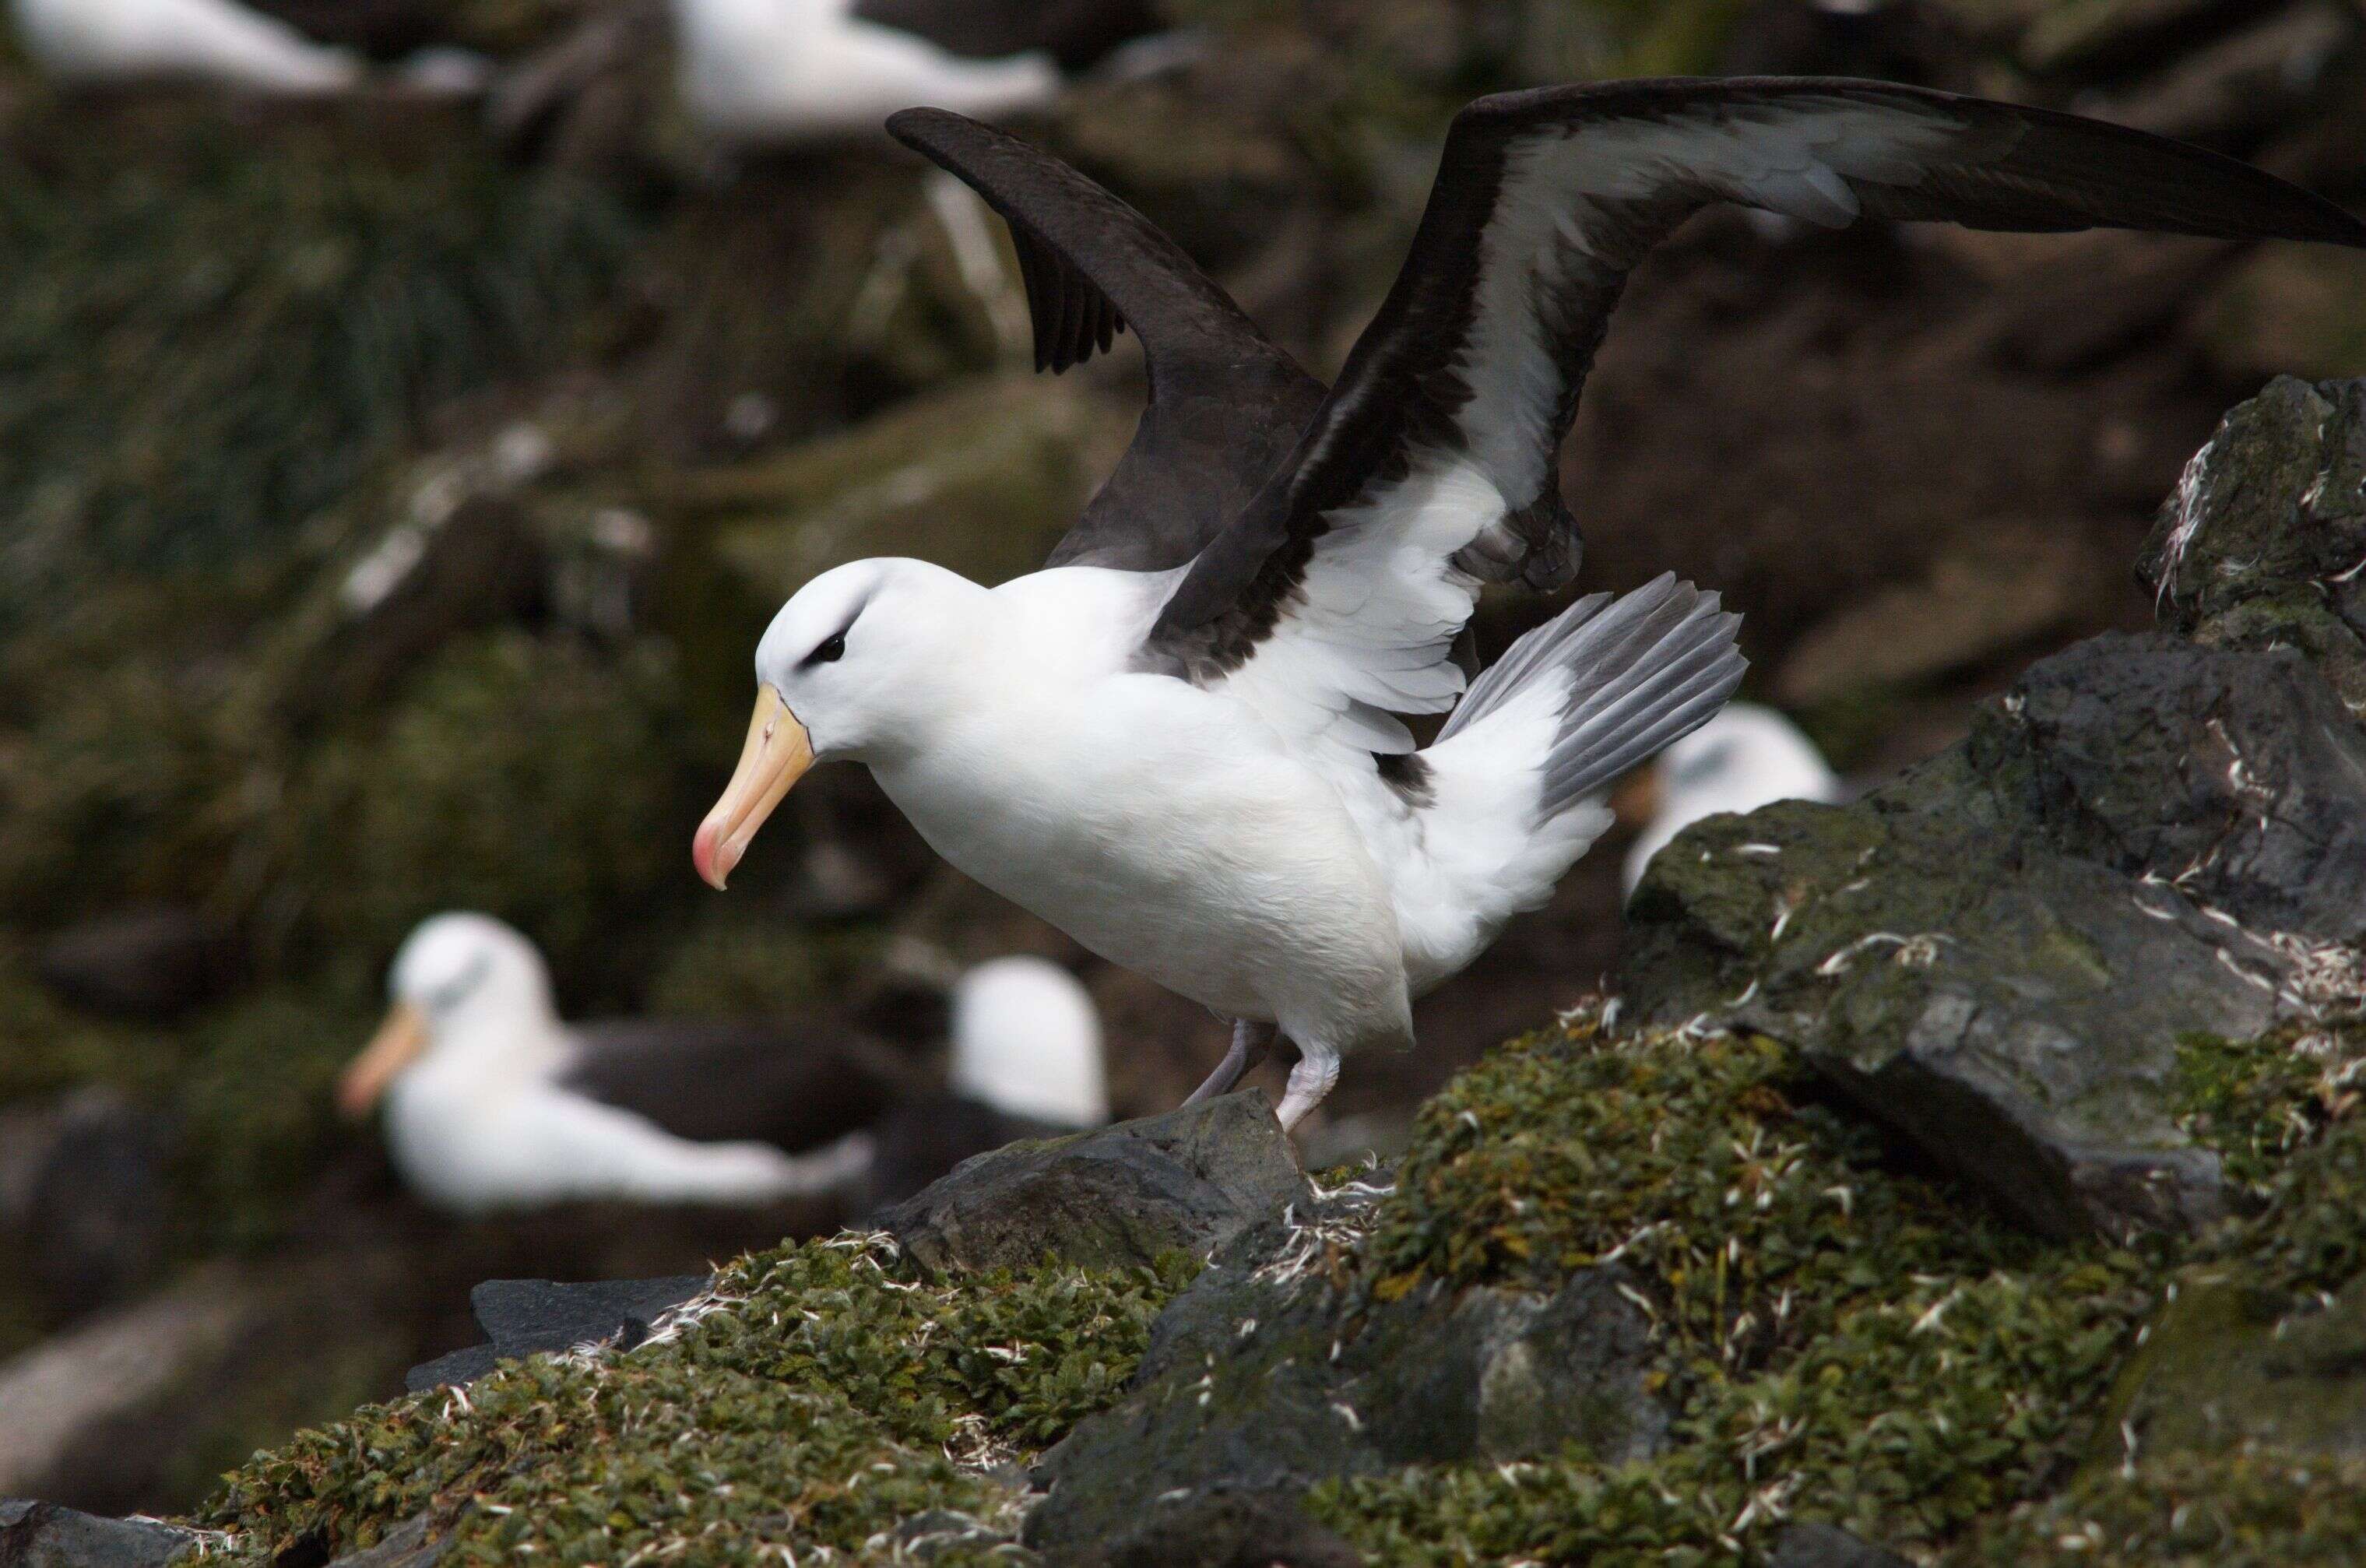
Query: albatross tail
{"points": [[1512, 782]]}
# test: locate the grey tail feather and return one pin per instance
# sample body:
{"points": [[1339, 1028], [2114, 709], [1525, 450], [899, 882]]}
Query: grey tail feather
{"points": [[1644, 670]]}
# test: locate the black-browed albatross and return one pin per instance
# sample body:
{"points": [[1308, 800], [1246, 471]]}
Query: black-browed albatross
{"points": [[493, 1102], [1177, 742]]}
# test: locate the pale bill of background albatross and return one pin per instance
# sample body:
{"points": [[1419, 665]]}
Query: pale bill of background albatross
{"points": [[1190, 763]]}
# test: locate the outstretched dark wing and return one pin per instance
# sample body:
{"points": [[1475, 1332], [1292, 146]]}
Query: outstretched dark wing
{"points": [[1432, 465], [1226, 404]]}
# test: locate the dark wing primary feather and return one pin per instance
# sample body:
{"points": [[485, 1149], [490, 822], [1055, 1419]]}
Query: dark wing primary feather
{"points": [[1226, 404], [1432, 465], [721, 1082]]}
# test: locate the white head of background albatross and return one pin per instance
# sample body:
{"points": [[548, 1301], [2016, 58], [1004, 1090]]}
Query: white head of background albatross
{"points": [[1746, 757], [1176, 743], [493, 1103]]}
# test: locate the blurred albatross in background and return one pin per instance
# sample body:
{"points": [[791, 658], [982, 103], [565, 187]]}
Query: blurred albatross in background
{"points": [[1177, 742], [493, 1103], [774, 72], [216, 42], [1746, 757]]}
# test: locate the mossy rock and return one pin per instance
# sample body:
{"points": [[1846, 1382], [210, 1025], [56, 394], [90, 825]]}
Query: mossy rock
{"points": [[2261, 544]]}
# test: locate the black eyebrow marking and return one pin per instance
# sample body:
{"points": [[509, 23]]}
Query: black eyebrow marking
{"points": [[838, 637]]}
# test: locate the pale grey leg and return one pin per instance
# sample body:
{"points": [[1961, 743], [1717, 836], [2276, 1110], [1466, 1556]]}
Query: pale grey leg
{"points": [[1250, 1044]]}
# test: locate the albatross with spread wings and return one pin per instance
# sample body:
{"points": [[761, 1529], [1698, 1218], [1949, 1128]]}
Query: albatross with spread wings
{"points": [[1179, 742]]}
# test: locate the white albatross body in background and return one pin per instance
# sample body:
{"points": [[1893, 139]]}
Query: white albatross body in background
{"points": [[1027, 1042], [768, 72], [1746, 757], [478, 1120], [216, 42]]}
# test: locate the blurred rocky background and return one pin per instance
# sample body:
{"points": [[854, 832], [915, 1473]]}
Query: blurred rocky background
{"points": [[393, 486]]}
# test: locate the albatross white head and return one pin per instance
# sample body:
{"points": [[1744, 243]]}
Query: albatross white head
{"points": [[858, 665], [469, 993]]}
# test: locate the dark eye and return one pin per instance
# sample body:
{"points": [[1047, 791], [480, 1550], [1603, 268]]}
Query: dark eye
{"points": [[831, 651]]}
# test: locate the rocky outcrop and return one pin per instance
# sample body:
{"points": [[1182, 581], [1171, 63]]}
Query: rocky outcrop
{"points": [[526, 1318], [2146, 837], [1186, 1181], [2262, 543], [42, 1535], [1264, 1378]]}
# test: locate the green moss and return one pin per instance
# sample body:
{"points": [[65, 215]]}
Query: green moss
{"points": [[251, 1099], [1844, 1341], [113, 785], [826, 1404], [206, 338], [734, 964], [2248, 1100], [524, 777], [2261, 1510]]}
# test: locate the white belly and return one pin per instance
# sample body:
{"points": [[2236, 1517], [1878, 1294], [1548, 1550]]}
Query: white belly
{"points": [[1167, 835]]}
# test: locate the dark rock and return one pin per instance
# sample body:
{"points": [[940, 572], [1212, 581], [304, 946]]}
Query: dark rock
{"points": [[1184, 1182], [1826, 1546], [1225, 1527], [42, 1535], [2239, 777], [82, 1200], [148, 964], [525, 1317], [925, 1137], [1262, 1379], [1999, 952], [2261, 544]]}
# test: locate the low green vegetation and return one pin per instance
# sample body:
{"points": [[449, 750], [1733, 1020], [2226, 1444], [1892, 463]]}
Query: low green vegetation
{"points": [[834, 1394], [1847, 1339]]}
